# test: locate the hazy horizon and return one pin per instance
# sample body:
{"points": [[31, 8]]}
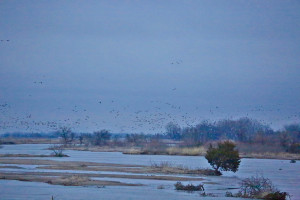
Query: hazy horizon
{"points": [[134, 66]]}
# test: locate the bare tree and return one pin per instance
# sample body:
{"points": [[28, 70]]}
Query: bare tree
{"points": [[101, 137], [173, 131], [57, 150], [67, 136]]}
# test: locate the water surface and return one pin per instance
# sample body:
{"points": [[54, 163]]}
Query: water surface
{"points": [[285, 176]]}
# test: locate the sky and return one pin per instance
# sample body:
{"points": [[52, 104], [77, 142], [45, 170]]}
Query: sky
{"points": [[133, 66]]}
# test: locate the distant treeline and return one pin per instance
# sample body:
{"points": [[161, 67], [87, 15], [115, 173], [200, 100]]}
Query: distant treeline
{"points": [[243, 130], [29, 135]]}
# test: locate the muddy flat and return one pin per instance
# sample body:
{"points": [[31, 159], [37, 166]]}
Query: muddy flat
{"points": [[85, 178], [69, 180], [65, 163], [127, 176], [92, 166]]}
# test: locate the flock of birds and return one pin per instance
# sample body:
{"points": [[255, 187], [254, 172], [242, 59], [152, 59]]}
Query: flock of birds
{"points": [[112, 114], [120, 118]]}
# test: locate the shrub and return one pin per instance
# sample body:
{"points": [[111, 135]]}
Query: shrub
{"points": [[256, 186], [224, 157], [57, 151], [260, 188], [189, 187]]}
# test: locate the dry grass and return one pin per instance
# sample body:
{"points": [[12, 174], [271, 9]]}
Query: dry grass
{"points": [[186, 151], [169, 168], [265, 151], [97, 148], [259, 148], [133, 151], [158, 170], [73, 180], [246, 151], [272, 155]]}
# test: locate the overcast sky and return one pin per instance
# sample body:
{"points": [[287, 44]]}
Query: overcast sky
{"points": [[133, 66]]}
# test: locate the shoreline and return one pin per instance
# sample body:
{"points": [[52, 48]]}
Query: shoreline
{"points": [[135, 151], [171, 151]]}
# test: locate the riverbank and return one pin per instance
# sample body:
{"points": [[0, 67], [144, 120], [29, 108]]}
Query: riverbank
{"points": [[246, 150], [183, 151]]}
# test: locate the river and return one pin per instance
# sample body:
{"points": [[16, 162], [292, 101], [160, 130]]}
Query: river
{"points": [[284, 175]]}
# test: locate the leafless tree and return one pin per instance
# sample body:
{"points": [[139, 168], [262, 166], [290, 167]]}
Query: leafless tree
{"points": [[101, 137], [67, 136], [57, 150]]}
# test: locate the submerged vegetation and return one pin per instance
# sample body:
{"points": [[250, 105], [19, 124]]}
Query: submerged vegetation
{"points": [[189, 187], [57, 151]]}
